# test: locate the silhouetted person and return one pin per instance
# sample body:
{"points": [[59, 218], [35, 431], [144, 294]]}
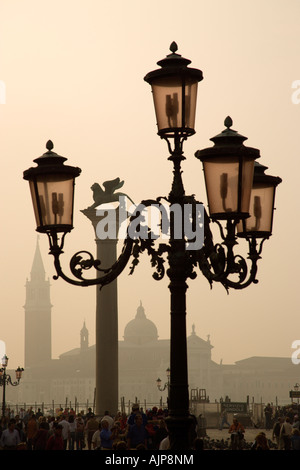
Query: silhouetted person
{"points": [[286, 433], [260, 442], [10, 437], [41, 438], [31, 431], [137, 433], [268, 416], [55, 442]]}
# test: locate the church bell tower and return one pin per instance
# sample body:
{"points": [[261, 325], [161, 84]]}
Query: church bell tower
{"points": [[37, 314]]}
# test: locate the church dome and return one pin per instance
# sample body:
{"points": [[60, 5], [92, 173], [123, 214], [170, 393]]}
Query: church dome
{"points": [[140, 330]]}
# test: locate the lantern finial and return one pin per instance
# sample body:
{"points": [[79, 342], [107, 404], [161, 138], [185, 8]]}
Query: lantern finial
{"points": [[228, 122], [173, 47], [49, 145]]}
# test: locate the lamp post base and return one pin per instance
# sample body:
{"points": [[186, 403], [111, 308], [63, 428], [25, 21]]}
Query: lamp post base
{"points": [[181, 432]]}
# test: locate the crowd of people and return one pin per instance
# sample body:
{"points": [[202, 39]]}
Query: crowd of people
{"points": [[70, 430], [285, 425]]}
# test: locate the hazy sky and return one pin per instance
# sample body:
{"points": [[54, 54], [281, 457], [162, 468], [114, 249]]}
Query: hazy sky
{"points": [[73, 72]]}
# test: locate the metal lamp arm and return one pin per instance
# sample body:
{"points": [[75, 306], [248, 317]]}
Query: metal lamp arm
{"points": [[84, 260], [211, 257], [7, 380], [253, 256], [218, 264], [78, 264], [162, 389]]}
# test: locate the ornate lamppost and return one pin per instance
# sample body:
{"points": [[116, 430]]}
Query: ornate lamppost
{"points": [[5, 379], [166, 385], [237, 192], [296, 389]]}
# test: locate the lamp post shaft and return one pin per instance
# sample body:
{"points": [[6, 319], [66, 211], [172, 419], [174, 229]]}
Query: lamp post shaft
{"points": [[3, 394], [178, 352], [178, 422]]}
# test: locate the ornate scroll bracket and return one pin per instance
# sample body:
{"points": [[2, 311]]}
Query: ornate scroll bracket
{"points": [[217, 262]]}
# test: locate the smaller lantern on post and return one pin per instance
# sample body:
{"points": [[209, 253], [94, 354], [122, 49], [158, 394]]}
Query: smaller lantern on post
{"points": [[19, 371], [260, 222], [228, 172], [4, 361]]}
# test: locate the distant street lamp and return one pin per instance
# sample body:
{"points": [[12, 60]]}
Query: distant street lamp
{"points": [[166, 385], [228, 167], [296, 389], [5, 379]]}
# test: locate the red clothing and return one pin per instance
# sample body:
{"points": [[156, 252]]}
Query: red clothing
{"points": [[55, 443], [123, 423], [236, 427], [32, 428], [40, 440]]}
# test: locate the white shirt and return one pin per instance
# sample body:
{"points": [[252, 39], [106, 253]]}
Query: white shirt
{"points": [[65, 429], [165, 444], [96, 440], [286, 429], [72, 426], [110, 421]]}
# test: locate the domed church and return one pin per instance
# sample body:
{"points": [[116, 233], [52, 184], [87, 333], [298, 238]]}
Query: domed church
{"points": [[143, 357], [140, 330]]}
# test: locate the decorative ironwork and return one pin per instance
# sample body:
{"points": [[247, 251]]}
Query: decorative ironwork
{"points": [[216, 261], [6, 379]]}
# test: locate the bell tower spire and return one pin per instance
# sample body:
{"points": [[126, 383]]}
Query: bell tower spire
{"points": [[84, 338], [37, 314]]}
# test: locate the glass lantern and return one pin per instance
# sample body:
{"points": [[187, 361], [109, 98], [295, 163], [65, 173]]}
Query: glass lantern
{"points": [[262, 200], [52, 191], [174, 88], [228, 171]]}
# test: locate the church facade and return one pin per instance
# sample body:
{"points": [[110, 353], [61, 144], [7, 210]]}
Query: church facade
{"points": [[143, 357]]}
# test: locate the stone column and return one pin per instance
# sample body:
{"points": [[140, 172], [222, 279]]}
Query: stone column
{"points": [[107, 383]]}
